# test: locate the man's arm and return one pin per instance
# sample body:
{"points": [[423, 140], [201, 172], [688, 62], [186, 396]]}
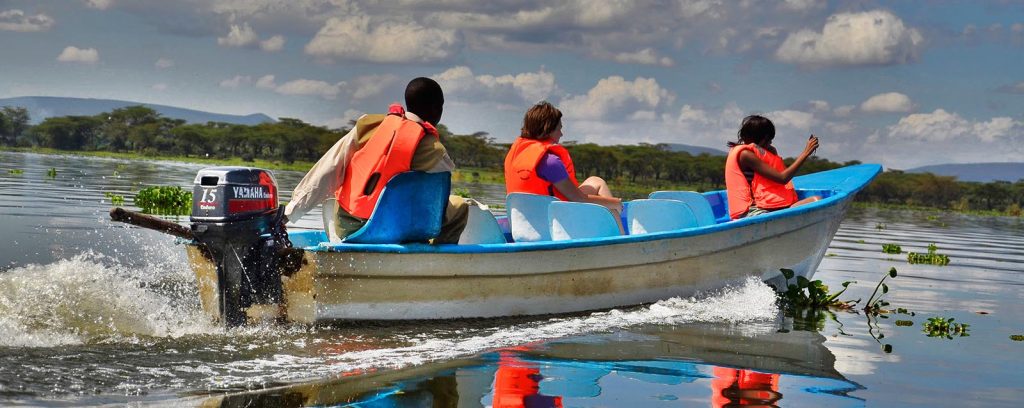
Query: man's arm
{"points": [[322, 180]]}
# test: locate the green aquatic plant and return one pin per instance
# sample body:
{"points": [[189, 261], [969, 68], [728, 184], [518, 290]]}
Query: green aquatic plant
{"points": [[807, 293], [15, 171], [115, 199], [164, 200], [875, 304], [944, 327], [879, 226], [52, 172], [892, 249], [1017, 337], [904, 323], [930, 258], [461, 192]]}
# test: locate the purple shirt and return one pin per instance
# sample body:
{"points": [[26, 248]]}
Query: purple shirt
{"points": [[551, 169]]}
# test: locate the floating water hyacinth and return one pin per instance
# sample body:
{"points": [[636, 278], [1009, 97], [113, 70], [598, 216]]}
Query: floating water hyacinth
{"points": [[807, 293], [115, 199], [931, 258], [15, 171], [944, 327], [164, 200], [892, 249], [52, 173]]}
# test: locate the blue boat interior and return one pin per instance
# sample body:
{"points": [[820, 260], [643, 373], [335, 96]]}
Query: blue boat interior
{"points": [[405, 228]]}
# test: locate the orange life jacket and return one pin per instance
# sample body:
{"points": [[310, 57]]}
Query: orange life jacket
{"points": [[761, 192], [388, 152], [521, 167]]}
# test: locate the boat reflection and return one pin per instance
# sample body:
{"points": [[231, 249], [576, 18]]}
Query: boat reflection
{"points": [[652, 366]]}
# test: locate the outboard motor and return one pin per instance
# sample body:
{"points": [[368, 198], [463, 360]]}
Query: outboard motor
{"points": [[235, 216]]}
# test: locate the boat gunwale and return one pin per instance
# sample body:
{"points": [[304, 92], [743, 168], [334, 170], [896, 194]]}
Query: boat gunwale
{"points": [[842, 190]]}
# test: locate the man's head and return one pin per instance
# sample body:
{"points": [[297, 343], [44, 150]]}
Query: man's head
{"points": [[423, 97]]}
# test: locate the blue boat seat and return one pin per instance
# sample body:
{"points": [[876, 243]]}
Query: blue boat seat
{"points": [[482, 227], [654, 215], [698, 204], [569, 220], [528, 216], [410, 209]]}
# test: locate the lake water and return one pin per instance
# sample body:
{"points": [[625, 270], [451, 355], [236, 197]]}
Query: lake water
{"points": [[93, 312]]}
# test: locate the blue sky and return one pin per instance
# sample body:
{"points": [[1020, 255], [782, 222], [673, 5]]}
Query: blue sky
{"points": [[903, 83]]}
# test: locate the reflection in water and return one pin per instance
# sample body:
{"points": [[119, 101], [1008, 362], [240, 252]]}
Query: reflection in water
{"points": [[744, 388], [698, 364]]}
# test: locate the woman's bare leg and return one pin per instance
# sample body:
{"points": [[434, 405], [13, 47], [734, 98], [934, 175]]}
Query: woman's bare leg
{"points": [[595, 186]]}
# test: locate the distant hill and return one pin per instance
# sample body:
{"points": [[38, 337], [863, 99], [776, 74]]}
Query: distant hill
{"points": [[981, 172], [694, 150], [42, 107]]}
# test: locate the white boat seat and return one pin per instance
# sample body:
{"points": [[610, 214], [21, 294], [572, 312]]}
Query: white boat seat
{"points": [[698, 204], [528, 216], [330, 218], [482, 227], [653, 215], [569, 220]]}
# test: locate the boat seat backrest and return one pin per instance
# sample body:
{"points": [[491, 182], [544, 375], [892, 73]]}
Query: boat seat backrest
{"points": [[698, 204], [330, 219], [528, 216], [410, 209], [569, 220], [654, 215], [482, 227]]}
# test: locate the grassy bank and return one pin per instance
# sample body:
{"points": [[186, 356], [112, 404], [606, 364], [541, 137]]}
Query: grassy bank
{"points": [[272, 165]]}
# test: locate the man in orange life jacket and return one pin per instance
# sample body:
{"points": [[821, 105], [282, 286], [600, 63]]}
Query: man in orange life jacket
{"points": [[425, 101]]}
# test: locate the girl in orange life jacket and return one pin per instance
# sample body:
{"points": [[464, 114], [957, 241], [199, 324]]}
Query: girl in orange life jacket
{"points": [[756, 179], [537, 164]]}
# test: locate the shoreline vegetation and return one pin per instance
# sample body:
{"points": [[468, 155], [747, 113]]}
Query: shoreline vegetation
{"points": [[138, 132]]}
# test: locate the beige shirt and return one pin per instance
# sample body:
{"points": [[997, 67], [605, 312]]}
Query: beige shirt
{"points": [[325, 177]]}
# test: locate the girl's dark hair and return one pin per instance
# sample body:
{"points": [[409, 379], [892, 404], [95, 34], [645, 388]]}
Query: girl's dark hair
{"points": [[540, 120], [754, 129]]}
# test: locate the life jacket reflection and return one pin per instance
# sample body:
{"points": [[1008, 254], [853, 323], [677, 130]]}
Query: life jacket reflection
{"points": [[516, 385], [388, 153], [521, 167], [744, 388]]}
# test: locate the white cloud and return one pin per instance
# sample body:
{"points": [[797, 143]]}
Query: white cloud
{"points": [[239, 36], [236, 82], [887, 102], [529, 87], [82, 55], [869, 38], [646, 56], [160, 87], [615, 96], [309, 87], [17, 20], [343, 120], [819, 106], [1013, 88], [792, 119], [99, 4], [163, 63], [266, 82], [359, 38], [272, 44], [359, 88], [940, 126], [844, 111], [803, 5]]}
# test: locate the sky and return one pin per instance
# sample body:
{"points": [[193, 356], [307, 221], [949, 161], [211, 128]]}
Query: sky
{"points": [[901, 83]]}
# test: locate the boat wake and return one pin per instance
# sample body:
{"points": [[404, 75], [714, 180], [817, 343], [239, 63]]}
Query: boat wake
{"points": [[751, 301], [92, 299]]}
